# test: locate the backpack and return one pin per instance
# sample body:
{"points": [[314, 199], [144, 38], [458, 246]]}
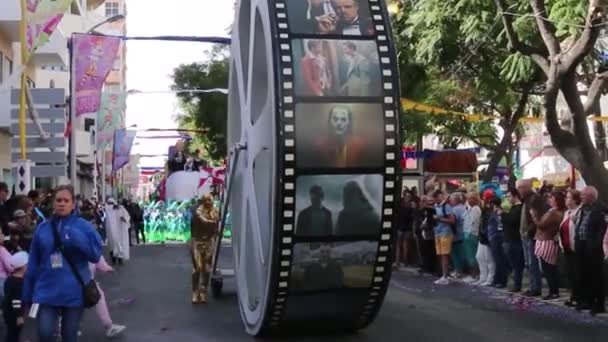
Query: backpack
{"points": [[454, 225]]}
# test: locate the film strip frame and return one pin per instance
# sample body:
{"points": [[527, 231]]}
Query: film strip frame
{"points": [[287, 156]]}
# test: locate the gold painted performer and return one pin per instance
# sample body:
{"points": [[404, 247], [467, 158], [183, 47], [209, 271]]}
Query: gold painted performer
{"points": [[204, 231]]}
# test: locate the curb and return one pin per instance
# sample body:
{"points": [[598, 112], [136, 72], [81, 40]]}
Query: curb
{"points": [[555, 302]]}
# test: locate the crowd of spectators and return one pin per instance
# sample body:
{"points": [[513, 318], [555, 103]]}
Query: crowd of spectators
{"points": [[487, 240]]}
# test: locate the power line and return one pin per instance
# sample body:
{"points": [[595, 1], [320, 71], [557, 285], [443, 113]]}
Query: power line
{"points": [[541, 17]]}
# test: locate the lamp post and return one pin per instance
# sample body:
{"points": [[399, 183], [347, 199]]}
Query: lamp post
{"points": [[113, 19]]}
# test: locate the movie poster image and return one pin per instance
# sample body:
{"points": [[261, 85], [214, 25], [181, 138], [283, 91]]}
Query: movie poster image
{"points": [[338, 205], [339, 135], [327, 266], [338, 17], [343, 68]]}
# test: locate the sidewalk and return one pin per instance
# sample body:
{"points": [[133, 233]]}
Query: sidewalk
{"points": [[516, 298]]}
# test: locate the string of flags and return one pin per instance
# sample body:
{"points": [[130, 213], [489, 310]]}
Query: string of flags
{"points": [[407, 104]]}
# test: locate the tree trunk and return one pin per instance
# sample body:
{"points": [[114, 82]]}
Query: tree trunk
{"points": [[600, 132], [511, 168], [497, 154], [576, 148]]}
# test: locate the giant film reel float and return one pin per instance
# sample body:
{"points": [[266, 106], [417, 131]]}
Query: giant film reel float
{"points": [[314, 167]]}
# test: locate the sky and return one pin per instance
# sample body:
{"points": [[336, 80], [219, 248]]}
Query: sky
{"points": [[150, 63]]}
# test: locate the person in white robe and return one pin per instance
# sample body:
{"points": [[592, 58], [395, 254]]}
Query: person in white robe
{"points": [[117, 229]]}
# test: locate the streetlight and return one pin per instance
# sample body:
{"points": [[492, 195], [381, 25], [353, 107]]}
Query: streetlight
{"points": [[112, 19]]}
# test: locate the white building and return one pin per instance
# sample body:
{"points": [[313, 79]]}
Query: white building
{"points": [[49, 68]]}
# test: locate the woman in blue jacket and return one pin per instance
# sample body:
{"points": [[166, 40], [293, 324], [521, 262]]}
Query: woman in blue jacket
{"points": [[49, 280]]}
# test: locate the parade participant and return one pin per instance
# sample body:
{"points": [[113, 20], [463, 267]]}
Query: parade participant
{"points": [[117, 230], [62, 245], [204, 232]]}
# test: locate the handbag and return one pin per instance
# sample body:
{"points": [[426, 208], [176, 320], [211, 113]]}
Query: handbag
{"points": [[90, 292]]}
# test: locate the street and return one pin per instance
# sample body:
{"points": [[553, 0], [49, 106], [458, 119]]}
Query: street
{"points": [[151, 295]]}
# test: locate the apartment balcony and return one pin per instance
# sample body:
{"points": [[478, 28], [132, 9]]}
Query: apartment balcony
{"points": [[10, 18], [94, 4], [55, 52], [5, 110], [81, 6]]}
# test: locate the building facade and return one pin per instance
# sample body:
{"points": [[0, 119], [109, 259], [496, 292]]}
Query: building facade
{"points": [[49, 68]]}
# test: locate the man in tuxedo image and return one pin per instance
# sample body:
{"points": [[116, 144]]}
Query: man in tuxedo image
{"points": [[340, 147], [306, 16], [349, 20], [316, 219], [315, 71]]}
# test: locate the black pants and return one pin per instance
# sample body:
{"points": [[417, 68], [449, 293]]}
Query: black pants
{"points": [[429, 256], [551, 274], [139, 228], [572, 274], [13, 331], [591, 279], [115, 259]]}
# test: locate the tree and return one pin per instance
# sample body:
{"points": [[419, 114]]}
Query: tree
{"points": [[560, 36], [468, 68], [205, 111]]}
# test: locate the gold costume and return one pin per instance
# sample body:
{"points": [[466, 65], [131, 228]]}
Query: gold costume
{"points": [[204, 230]]}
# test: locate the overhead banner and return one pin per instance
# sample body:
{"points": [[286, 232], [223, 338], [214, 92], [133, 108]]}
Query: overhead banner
{"points": [[123, 141], [94, 58], [41, 19], [110, 117]]}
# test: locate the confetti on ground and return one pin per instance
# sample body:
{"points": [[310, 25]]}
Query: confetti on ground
{"points": [[125, 301]]}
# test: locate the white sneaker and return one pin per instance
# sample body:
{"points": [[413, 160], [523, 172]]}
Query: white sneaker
{"points": [[487, 283], [455, 275], [469, 280], [115, 330], [442, 281]]}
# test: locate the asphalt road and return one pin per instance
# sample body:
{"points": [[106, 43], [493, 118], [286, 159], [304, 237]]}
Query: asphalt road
{"points": [[151, 295]]}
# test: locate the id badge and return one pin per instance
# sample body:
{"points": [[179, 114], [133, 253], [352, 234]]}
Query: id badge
{"points": [[56, 260]]}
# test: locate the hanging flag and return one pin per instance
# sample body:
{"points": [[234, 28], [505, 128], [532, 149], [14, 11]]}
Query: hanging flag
{"points": [[41, 19], [110, 117], [94, 58], [123, 141]]}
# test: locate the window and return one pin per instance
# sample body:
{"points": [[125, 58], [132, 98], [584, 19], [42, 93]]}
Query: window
{"points": [[111, 9], [10, 66], [88, 124]]}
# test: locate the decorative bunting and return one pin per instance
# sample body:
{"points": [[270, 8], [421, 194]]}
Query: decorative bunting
{"points": [[123, 141], [110, 117], [41, 19], [94, 58]]}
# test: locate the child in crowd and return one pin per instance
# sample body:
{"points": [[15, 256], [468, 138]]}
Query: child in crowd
{"points": [[13, 312], [5, 265]]}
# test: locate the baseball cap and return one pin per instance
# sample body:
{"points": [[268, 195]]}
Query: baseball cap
{"points": [[19, 259]]}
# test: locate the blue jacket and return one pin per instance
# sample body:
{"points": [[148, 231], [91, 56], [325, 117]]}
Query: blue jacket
{"points": [[44, 284]]}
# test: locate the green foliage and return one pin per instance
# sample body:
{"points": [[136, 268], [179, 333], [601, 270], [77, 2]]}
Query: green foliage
{"points": [[517, 68], [568, 16], [205, 111], [452, 55]]}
